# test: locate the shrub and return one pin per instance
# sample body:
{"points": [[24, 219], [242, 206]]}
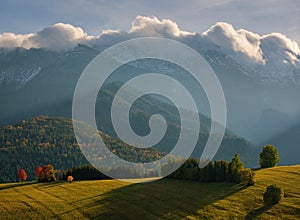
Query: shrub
{"points": [[247, 177], [70, 179], [45, 173], [269, 157], [273, 195]]}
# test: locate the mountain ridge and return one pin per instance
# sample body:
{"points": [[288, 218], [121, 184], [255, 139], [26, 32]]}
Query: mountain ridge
{"points": [[268, 56], [54, 86], [259, 106]]}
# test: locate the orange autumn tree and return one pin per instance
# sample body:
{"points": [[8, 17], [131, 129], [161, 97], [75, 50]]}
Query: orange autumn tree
{"points": [[22, 175], [45, 173], [70, 179]]}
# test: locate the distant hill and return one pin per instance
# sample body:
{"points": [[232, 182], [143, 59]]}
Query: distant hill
{"points": [[163, 199], [288, 144]]}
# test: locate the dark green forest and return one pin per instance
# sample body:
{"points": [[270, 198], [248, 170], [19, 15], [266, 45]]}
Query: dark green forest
{"points": [[43, 140]]}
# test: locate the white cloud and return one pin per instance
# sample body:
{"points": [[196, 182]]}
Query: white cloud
{"points": [[110, 31], [57, 37], [231, 41], [244, 46], [15, 40], [152, 26], [65, 36], [277, 47]]}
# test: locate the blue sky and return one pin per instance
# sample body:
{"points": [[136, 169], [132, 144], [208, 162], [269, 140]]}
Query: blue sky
{"points": [[93, 16]]}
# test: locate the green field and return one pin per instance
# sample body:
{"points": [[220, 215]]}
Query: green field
{"points": [[163, 199]]}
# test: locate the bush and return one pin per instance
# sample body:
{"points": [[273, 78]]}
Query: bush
{"points": [[45, 173], [273, 195], [247, 177], [269, 157], [70, 179]]}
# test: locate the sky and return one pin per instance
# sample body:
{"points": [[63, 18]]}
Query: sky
{"points": [[93, 16]]}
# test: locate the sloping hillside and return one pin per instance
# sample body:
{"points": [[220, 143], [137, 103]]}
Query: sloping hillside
{"points": [[44, 140], [163, 199]]}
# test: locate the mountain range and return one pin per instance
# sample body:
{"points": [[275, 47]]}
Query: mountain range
{"points": [[259, 74]]}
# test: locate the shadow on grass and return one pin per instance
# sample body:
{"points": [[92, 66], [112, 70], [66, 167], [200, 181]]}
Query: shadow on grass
{"points": [[165, 198], [41, 184], [51, 184], [14, 185], [257, 212]]}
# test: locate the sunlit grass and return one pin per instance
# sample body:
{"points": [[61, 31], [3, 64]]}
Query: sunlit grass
{"points": [[168, 199]]}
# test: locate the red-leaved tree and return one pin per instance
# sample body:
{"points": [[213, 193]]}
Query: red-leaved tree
{"points": [[38, 171], [22, 175], [45, 173]]}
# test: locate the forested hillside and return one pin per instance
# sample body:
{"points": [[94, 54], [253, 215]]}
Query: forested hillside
{"points": [[43, 140]]}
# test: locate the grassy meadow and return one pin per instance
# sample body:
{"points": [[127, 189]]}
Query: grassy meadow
{"points": [[162, 199]]}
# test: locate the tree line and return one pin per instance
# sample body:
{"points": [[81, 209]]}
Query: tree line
{"points": [[217, 171], [224, 171]]}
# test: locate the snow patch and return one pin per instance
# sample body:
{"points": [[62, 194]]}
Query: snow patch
{"points": [[18, 77]]}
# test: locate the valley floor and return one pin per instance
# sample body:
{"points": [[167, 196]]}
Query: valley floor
{"points": [[163, 199]]}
